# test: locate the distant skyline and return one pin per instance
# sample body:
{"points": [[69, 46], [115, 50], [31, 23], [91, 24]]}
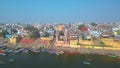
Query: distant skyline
{"points": [[61, 11]]}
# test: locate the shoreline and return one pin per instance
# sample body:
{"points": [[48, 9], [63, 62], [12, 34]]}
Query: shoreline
{"points": [[81, 50], [89, 51]]}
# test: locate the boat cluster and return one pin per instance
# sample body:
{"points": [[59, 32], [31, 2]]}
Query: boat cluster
{"points": [[4, 51], [87, 61], [56, 52]]}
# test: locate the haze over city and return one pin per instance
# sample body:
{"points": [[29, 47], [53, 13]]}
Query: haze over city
{"points": [[60, 33], [61, 11]]}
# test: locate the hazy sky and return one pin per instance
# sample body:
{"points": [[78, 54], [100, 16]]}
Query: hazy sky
{"points": [[45, 11]]}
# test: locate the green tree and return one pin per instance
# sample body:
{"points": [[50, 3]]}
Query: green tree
{"points": [[46, 34], [29, 28], [4, 32], [93, 24], [83, 37], [102, 43], [78, 44], [13, 31], [1, 35], [81, 26], [34, 32]]}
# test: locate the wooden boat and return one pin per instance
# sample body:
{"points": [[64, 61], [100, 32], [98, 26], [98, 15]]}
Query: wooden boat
{"points": [[21, 49], [1, 46], [25, 51], [68, 52], [113, 56], [3, 54], [1, 62], [52, 52], [11, 60], [57, 53], [36, 51], [9, 51], [60, 52], [86, 62], [44, 50], [17, 51], [2, 51]]}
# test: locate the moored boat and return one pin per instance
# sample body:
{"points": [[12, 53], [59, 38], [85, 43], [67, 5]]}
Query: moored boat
{"points": [[86, 62], [25, 51], [1, 62], [17, 51], [113, 56], [36, 51], [11, 60], [60, 52], [3, 54], [57, 53], [1, 46], [52, 52], [45, 51], [68, 52], [9, 51]]}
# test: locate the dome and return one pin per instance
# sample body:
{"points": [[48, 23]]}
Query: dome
{"points": [[61, 27]]}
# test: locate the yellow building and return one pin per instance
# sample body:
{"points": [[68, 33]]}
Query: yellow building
{"points": [[115, 33], [46, 38], [13, 40], [86, 42], [73, 42]]}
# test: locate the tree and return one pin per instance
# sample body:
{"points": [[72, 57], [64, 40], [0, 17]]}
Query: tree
{"points": [[19, 23], [29, 28], [83, 37], [4, 32], [78, 44], [13, 31], [81, 26], [34, 32], [46, 34], [1, 35], [93, 24], [62, 33], [102, 43]]}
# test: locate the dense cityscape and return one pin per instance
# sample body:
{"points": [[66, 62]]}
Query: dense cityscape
{"points": [[59, 33], [60, 37]]}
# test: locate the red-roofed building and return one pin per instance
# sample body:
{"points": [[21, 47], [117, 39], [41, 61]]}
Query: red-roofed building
{"points": [[45, 42], [27, 41], [84, 29]]}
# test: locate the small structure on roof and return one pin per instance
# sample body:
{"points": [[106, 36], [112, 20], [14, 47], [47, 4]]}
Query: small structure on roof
{"points": [[8, 35], [95, 33], [27, 41], [60, 27]]}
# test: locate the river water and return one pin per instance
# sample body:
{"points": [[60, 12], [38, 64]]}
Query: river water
{"points": [[45, 60]]}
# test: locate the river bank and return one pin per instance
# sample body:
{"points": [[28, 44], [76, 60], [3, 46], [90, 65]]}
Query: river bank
{"points": [[45, 60], [82, 50]]}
